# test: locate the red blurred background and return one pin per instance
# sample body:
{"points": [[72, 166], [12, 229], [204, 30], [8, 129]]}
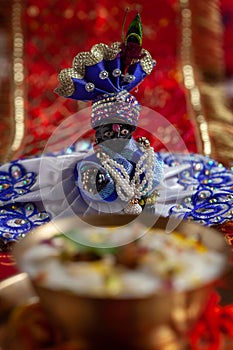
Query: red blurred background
{"points": [[50, 33]]}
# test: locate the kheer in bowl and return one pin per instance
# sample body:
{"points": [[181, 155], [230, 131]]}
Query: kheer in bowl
{"points": [[141, 294]]}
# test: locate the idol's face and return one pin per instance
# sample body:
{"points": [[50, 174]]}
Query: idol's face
{"points": [[114, 136]]}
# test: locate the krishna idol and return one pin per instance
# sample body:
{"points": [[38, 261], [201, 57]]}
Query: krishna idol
{"points": [[117, 174]]}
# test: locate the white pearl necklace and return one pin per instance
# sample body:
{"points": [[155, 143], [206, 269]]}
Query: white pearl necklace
{"points": [[131, 190]]}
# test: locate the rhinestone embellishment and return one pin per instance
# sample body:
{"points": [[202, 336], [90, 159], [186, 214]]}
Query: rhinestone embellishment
{"points": [[116, 72], [89, 87], [103, 75], [129, 78]]}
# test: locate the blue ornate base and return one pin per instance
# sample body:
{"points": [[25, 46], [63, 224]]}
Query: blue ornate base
{"points": [[196, 188]]}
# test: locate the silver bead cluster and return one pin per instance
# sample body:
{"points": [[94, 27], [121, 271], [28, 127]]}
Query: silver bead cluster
{"points": [[89, 180], [144, 141]]}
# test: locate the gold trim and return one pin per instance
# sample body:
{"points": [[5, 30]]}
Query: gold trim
{"points": [[18, 75], [84, 59], [97, 53], [208, 55], [194, 95]]}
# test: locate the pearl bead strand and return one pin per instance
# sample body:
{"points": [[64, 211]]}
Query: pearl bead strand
{"points": [[131, 190]]}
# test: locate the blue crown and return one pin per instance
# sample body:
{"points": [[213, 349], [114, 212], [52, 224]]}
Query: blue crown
{"points": [[102, 73]]}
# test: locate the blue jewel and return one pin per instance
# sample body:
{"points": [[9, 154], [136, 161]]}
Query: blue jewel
{"points": [[15, 182]]}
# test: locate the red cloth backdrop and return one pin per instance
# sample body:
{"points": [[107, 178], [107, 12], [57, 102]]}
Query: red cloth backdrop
{"points": [[55, 31]]}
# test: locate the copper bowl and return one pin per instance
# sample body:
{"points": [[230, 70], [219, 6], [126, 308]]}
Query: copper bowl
{"points": [[15, 290], [158, 321]]}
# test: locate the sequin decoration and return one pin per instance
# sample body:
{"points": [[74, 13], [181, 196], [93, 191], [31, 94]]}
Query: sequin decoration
{"points": [[15, 182], [212, 184], [16, 220], [121, 106]]}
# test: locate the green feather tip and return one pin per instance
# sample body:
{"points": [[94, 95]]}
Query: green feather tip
{"points": [[134, 32]]}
